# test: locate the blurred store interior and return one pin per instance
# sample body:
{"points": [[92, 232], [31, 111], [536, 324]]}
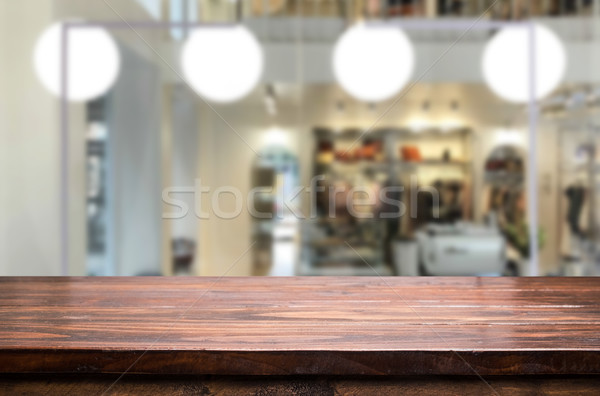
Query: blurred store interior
{"points": [[151, 177]]}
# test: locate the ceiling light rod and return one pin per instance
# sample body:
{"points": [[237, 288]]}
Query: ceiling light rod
{"points": [[238, 11]]}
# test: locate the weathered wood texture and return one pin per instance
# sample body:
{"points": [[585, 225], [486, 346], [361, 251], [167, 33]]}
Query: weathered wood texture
{"points": [[297, 386], [301, 326]]}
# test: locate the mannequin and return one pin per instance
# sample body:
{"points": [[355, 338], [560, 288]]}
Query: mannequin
{"points": [[576, 196]]}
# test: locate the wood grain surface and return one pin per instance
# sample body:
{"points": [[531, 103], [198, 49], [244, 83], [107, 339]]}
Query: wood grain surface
{"points": [[297, 386], [301, 326]]}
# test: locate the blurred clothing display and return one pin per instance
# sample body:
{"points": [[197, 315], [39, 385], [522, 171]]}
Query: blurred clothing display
{"points": [[576, 197], [410, 153]]}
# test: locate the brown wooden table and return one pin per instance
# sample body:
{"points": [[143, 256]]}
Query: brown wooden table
{"points": [[303, 335]]}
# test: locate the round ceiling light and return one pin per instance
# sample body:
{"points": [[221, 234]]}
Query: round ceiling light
{"points": [[92, 66], [373, 63], [506, 62], [222, 64]]}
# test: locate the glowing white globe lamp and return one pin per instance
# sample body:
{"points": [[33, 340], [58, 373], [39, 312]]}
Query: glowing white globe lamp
{"points": [[373, 63], [222, 64], [93, 61], [506, 62]]}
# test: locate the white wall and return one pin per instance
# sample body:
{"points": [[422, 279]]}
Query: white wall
{"points": [[225, 160], [30, 141]]}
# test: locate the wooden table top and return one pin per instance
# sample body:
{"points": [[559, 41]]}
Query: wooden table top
{"points": [[301, 325]]}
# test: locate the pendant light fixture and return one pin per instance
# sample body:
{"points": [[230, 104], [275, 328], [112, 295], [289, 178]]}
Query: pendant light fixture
{"points": [[222, 64], [373, 63], [93, 61], [506, 62]]}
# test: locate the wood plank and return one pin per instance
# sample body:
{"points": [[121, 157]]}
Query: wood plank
{"points": [[301, 325], [299, 386]]}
